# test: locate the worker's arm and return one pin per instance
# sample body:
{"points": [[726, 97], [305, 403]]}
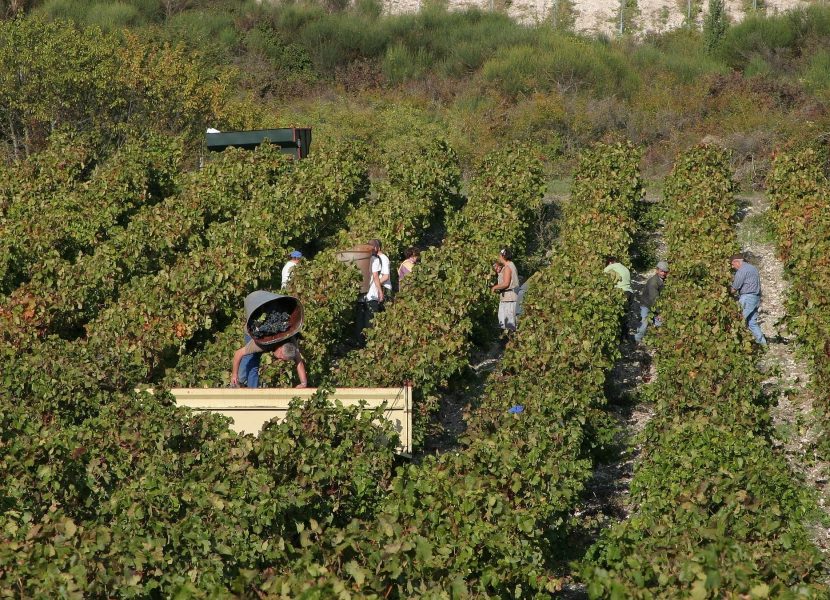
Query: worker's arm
{"points": [[384, 277], [378, 286], [301, 372], [504, 280], [237, 358]]}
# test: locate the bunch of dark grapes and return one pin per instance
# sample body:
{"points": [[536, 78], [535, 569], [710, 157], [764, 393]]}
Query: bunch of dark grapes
{"points": [[272, 323]]}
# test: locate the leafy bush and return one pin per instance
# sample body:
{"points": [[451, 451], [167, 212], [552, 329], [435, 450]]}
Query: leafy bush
{"points": [[212, 33], [133, 339], [423, 178], [147, 500], [85, 80], [47, 226], [105, 15], [485, 520], [402, 64], [817, 72], [336, 461], [680, 55], [559, 63], [425, 336], [64, 295], [718, 516], [758, 36]]}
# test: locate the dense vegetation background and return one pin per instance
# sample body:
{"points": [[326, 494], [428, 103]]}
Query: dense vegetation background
{"points": [[475, 78], [121, 264]]}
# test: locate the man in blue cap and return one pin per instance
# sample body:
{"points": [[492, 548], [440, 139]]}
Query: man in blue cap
{"points": [[294, 259]]}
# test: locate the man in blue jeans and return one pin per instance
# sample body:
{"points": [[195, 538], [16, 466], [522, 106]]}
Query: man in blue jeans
{"points": [[747, 285], [249, 367], [648, 297], [286, 350]]}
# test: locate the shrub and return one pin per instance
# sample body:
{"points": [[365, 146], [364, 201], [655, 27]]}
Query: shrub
{"points": [[817, 72], [718, 513], [559, 63], [401, 64], [758, 36], [715, 25], [212, 33]]}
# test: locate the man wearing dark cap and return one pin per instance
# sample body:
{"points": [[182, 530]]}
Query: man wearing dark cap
{"points": [[648, 297], [747, 286]]}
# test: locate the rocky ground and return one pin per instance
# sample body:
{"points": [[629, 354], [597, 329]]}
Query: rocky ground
{"points": [[607, 500], [602, 16]]}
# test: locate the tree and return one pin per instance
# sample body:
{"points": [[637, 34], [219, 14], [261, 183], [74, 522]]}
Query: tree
{"points": [[715, 25], [55, 75], [51, 75], [691, 9], [626, 18], [562, 15]]}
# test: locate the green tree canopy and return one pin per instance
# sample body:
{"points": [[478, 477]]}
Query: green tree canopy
{"points": [[55, 74]]}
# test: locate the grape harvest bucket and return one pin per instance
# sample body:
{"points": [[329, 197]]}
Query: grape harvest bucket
{"points": [[259, 302]]}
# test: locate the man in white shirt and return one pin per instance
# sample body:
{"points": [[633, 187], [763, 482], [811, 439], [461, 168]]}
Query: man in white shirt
{"points": [[380, 288], [294, 259], [385, 276]]}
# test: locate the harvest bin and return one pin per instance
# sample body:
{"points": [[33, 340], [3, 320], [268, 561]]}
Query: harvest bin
{"points": [[293, 141], [261, 301], [250, 409]]}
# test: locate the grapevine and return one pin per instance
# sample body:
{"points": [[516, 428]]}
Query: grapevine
{"points": [[798, 188], [64, 295], [708, 489], [421, 181]]}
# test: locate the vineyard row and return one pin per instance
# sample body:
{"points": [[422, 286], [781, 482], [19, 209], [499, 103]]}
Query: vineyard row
{"points": [[421, 186], [487, 519], [718, 513], [798, 188]]}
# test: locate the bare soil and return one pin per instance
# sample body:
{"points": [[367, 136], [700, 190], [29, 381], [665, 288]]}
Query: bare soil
{"points": [[607, 499]]}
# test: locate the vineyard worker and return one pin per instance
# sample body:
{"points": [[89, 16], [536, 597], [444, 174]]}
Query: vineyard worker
{"points": [[385, 272], [622, 276], [507, 288], [249, 367], [747, 285], [649, 296], [411, 257], [294, 259], [374, 296], [287, 350]]}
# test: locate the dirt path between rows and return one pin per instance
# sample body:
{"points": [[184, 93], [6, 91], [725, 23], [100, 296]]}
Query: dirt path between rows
{"points": [[606, 500], [787, 373]]}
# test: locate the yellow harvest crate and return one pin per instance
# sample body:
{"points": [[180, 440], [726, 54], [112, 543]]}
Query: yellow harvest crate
{"points": [[250, 409]]}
